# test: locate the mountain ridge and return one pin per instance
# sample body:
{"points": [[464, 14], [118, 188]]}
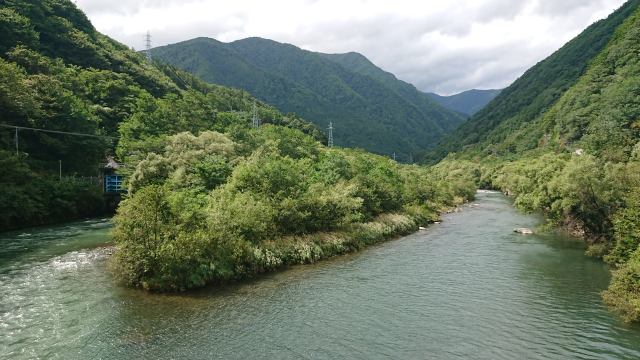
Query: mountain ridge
{"points": [[378, 113]]}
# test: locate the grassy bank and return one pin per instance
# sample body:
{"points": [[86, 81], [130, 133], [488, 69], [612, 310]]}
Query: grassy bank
{"points": [[272, 255], [232, 260]]}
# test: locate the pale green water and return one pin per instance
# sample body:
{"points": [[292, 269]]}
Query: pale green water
{"points": [[466, 289]]}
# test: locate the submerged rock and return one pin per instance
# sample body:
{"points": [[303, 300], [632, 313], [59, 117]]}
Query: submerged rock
{"points": [[523, 231]]}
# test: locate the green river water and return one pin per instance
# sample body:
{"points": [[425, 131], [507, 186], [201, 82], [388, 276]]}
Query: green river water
{"points": [[468, 288]]}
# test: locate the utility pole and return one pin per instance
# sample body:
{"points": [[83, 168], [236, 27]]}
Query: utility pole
{"points": [[330, 140], [255, 120], [60, 169], [148, 45], [16, 140]]}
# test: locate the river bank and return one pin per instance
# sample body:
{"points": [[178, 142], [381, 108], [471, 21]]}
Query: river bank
{"points": [[284, 251]]}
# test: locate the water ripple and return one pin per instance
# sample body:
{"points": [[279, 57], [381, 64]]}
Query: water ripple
{"points": [[465, 289]]}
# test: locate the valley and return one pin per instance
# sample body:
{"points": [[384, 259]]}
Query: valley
{"points": [[193, 192]]}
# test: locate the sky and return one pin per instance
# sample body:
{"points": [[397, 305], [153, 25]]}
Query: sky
{"points": [[440, 46]]}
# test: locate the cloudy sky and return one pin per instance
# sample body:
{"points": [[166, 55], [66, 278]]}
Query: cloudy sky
{"points": [[441, 46]]}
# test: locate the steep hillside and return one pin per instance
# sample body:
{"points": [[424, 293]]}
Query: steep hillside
{"points": [[532, 94], [369, 108], [468, 102], [57, 73]]}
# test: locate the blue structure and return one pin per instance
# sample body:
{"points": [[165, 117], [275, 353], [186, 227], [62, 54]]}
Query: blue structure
{"points": [[113, 184], [111, 180]]}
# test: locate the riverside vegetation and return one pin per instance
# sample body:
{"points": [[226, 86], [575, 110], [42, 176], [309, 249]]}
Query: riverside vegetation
{"points": [[216, 207], [573, 152]]}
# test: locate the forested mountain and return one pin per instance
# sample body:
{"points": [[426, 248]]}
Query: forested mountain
{"points": [[370, 108], [467, 102], [58, 73], [564, 140]]}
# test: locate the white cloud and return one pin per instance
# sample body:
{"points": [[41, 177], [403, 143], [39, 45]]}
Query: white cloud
{"points": [[442, 46]]}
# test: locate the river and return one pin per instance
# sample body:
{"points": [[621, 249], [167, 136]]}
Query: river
{"points": [[468, 288]]}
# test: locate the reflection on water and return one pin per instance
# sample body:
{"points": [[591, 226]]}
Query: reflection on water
{"points": [[467, 288]]}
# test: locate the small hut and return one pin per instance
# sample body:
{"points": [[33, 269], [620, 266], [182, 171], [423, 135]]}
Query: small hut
{"points": [[112, 180], [112, 184]]}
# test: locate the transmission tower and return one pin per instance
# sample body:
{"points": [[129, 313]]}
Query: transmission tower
{"points": [[147, 45], [394, 156], [255, 119], [330, 140]]}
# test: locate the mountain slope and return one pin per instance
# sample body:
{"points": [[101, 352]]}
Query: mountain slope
{"points": [[58, 74], [380, 115], [360, 64], [532, 94], [601, 112], [467, 102]]}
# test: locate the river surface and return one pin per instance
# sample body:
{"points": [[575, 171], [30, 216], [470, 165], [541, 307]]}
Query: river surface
{"points": [[468, 288]]}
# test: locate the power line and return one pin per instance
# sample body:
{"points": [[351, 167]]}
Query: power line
{"points": [[179, 77], [56, 132]]}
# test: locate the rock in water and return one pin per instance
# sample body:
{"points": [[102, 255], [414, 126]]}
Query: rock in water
{"points": [[523, 231]]}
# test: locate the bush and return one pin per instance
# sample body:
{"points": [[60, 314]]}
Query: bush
{"points": [[623, 294]]}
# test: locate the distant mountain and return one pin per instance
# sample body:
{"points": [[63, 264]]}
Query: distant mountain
{"points": [[369, 107], [468, 102]]}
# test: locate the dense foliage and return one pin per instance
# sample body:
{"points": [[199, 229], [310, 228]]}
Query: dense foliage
{"points": [[216, 207], [578, 160], [370, 108], [58, 73]]}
